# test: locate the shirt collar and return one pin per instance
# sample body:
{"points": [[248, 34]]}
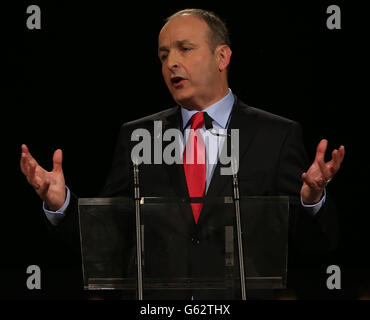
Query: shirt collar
{"points": [[219, 111]]}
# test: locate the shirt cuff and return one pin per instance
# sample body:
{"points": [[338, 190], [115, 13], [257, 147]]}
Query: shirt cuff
{"points": [[314, 208], [56, 216]]}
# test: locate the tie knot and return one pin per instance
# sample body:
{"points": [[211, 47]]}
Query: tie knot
{"points": [[197, 121]]}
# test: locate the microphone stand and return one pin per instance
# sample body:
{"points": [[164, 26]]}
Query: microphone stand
{"points": [[238, 228], [236, 198], [138, 232]]}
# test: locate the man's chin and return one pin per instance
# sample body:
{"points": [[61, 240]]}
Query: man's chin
{"points": [[185, 101]]}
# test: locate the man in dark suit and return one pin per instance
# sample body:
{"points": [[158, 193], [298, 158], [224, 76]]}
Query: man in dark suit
{"points": [[194, 50]]}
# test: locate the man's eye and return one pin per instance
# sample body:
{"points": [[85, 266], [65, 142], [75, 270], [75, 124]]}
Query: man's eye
{"points": [[185, 49], [164, 57]]}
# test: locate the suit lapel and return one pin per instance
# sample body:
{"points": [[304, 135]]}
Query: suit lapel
{"points": [[242, 119], [176, 171]]}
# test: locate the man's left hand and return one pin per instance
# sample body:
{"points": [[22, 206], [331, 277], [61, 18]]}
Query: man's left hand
{"points": [[320, 173]]}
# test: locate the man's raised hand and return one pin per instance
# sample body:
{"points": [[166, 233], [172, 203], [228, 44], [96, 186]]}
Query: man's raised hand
{"points": [[320, 173], [49, 185]]}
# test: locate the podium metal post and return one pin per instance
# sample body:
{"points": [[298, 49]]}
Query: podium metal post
{"points": [[238, 228], [138, 232]]}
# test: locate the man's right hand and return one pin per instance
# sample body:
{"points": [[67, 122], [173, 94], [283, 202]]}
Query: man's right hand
{"points": [[50, 186]]}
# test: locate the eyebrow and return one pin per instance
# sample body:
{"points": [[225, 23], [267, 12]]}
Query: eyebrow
{"points": [[178, 43]]}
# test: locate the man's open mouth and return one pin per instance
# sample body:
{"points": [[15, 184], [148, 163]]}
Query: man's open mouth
{"points": [[176, 81]]}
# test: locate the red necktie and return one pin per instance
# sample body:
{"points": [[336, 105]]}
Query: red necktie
{"points": [[194, 159]]}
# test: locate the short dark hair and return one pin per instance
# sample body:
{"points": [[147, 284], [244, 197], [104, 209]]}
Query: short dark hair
{"points": [[219, 34]]}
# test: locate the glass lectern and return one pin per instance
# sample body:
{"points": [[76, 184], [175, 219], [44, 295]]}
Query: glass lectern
{"points": [[176, 255]]}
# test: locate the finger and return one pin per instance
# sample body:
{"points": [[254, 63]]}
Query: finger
{"points": [[314, 184], [57, 160], [27, 165], [34, 176], [306, 179], [24, 148], [341, 153], [37, 176], [26, 151], [41, 177], [43, 189], [337, 158], [26, 159], [23, 163], [321, 149], [325, 170], [334, 163]]}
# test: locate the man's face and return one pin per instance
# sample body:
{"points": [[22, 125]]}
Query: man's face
{"points": [[189, 68]]}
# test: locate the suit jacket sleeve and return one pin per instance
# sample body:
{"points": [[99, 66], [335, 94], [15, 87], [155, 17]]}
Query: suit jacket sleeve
{"points": [[308, 233]]}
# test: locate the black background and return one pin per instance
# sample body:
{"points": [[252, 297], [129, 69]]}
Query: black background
{"points": [[93, 66]]}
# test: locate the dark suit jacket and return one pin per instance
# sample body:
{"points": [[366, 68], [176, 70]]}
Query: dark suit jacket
{"points": [[272, 158]]}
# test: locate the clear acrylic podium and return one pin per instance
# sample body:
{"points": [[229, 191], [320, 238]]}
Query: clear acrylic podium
{"points": [[109, 255]]}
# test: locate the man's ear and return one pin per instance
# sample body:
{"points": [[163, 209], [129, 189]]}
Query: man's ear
{"points": [[223, 55]]}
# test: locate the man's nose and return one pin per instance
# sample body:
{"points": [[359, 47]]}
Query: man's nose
{"points": [[172, 61]]}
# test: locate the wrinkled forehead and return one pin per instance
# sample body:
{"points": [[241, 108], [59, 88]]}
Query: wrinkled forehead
{"points": [[181, 28]]}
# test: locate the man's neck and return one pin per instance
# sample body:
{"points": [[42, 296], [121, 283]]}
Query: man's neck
{"points": [[206, 103]]}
